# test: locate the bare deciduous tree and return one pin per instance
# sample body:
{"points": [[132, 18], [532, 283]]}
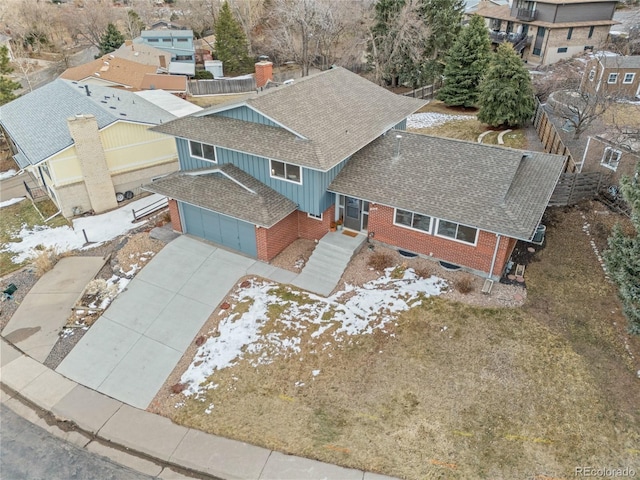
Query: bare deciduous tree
{"points": [[404, 41], [90, 21], [312, 32], [579, 109]]}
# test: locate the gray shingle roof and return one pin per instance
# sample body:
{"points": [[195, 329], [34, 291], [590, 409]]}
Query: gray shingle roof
{"points": [[226, 190], [621, 61], [497, 189], [37, 121], [337, 112]]}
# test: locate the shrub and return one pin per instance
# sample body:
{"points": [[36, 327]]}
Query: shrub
{"points": [[464, 284], [423, 272], [178, 388], [46, 260], [380, 260]]}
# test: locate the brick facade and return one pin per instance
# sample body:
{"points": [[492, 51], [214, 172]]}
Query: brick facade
{"points": [[271, 241], [476, 257], [314, 229], [174, 212]]}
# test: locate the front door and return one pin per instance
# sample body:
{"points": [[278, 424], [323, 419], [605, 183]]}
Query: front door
{"points": [[352, 213]]}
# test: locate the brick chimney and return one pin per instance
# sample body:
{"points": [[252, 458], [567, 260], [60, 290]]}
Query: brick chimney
{"points": [[264, 72]]}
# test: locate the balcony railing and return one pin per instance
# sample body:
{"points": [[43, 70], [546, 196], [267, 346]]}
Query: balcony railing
{"points": [[519, 40], [526, 15]]}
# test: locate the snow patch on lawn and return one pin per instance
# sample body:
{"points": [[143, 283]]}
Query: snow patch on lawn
{"points": [[99, 229], [353, 311], [8, 174], [11, 201], [431, 119]]}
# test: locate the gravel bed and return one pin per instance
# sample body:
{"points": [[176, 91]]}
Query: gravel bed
{"points": [[63, 346]]}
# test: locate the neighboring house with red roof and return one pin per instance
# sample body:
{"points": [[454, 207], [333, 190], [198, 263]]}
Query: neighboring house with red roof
{"points": [[110, 71], [287, 162], [169, 83]]}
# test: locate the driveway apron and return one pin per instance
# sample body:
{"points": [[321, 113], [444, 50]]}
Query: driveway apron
{"points": [[133, 347]]}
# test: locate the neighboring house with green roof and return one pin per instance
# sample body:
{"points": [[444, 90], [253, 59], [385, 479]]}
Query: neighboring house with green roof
{"points": [[88, 146], [286, 163]]}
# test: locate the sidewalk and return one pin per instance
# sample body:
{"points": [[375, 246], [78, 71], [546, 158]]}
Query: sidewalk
{"points": [[151, 435]]}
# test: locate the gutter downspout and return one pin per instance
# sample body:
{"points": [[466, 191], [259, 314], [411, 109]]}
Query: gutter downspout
{"points": [[495, 254]]}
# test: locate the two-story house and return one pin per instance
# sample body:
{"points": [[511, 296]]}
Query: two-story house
{"points": [[546, 31], [178, 43], [614, 75], [90, 147], [256, 175]]}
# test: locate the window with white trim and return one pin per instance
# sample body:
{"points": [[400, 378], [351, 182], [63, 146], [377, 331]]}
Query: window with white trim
{"points": [[592, 74], [613, 78], [314, 216], [286, 171], [457, 231], [203, 151], [611, 158], [416, 221], [628, 77]]}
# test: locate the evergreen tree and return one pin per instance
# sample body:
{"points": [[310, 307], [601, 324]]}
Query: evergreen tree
{"points": [[506, 93], [410, 38], [622, 258], [466, 65], [111, 39], [7, 86], [231, 43], [443, 19]]}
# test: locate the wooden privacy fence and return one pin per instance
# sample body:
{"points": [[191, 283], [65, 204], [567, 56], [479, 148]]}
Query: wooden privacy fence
{"points": [[222, 85], [427, 91], [575, 187], [549, 136]]}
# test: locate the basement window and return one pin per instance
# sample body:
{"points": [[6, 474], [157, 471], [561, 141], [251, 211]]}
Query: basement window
{"points": [[457, 231], [203, 151], [286, 171], [562, 50]]}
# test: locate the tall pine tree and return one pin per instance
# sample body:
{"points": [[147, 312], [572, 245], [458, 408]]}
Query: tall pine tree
{"points": [[231, 43], [466, 65], [506, 95], [622, 258], [443, 18], [111, 40], [7, 86]]}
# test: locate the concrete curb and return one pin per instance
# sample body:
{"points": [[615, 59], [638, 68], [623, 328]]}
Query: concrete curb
{"points": [[153, 437]]}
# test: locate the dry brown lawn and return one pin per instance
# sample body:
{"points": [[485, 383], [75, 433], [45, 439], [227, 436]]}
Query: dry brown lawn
{"points": [[206, 101], [467, 129], [500, 393]]}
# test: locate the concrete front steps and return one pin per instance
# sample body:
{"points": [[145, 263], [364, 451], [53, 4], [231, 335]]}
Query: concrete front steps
{"points": [[328, 262]]}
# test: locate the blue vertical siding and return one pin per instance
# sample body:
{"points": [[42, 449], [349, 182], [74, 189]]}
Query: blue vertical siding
{"points": [[248, 115], [402, 125], [311, 196], [186, 161]]}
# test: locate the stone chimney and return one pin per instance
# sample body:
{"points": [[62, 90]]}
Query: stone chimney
{"points": [[93, 162], [264, 72]]}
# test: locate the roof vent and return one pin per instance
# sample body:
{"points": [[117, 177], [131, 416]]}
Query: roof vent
{"points": [[396, 147], [288, 82], [86, 89]]}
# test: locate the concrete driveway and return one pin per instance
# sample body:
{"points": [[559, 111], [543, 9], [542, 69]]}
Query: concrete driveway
{"points": [[134, 346], [35, 325]]}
